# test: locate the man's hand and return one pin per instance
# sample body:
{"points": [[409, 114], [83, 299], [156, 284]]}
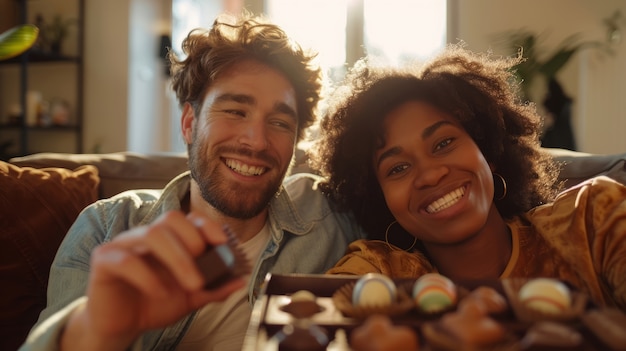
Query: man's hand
{"points": [[144, 279]]}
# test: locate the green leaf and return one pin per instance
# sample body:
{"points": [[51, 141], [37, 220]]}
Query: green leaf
{"points": [[557, 61], [16, 40]]}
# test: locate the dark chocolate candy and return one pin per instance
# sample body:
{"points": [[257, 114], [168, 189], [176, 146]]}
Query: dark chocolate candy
{"points": [[221, 263], [547, 335], [608, 325], [302, 335]]}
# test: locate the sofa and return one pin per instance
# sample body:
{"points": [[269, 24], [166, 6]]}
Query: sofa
{"points": [[41, 195]]}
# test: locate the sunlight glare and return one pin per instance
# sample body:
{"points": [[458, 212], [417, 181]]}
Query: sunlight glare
{"points": [[319, 25], [404, 30]]}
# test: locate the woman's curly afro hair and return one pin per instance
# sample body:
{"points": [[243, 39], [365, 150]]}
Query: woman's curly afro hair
{"points": [[476, 89]]}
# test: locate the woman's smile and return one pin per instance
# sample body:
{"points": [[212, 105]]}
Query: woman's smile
{"points": [[446, 201]]}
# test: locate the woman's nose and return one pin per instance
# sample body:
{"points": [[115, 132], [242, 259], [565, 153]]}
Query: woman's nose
{"points": [[430, 174]]}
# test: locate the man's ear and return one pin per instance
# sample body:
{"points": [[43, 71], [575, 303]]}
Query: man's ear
{"points": [[186, 122]]}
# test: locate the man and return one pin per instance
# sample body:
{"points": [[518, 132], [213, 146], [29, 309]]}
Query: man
{"points": [[125, 275]]}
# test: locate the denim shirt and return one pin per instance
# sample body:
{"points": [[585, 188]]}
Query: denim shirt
{"points": [[307, 236]]}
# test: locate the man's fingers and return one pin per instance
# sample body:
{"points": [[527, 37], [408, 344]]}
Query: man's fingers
{"points": [[112, 264], [165, 245], [174, 240], [212, 232]]}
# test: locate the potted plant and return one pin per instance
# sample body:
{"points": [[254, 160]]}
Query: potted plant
{"points": [[541, 63], [538, 63], [54, 33]]}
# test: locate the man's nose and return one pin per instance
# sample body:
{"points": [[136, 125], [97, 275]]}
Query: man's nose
{"points": [[254, 135]]}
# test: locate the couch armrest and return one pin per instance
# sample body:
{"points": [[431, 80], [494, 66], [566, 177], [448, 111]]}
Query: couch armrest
{"points": [[118, 171], [579, 166]]}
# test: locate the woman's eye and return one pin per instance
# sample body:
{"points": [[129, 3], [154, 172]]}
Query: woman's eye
{"points": [[443, 143], [397, 169]]}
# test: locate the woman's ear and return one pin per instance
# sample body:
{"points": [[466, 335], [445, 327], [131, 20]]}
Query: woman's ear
{"points": [[186, 122]]}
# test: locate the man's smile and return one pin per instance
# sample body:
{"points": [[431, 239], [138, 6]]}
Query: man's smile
{"points": [[244, 169]]}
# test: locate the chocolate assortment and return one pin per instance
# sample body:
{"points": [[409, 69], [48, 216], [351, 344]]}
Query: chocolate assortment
{"points": [[326, 312]]}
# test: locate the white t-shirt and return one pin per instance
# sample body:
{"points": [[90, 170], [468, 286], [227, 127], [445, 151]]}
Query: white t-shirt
{"points": [[222, 325]]}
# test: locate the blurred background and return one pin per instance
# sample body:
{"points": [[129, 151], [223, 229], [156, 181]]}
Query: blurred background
{"points": [[113, 94]]}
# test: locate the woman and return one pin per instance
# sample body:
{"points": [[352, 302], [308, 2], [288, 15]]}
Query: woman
{"points": [[445, 162]]}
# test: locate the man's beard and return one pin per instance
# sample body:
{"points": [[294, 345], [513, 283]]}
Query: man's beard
{"points": [[242, 201]]}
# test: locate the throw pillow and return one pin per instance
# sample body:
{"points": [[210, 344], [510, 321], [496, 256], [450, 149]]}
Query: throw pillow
{"points": [[37, 208]]}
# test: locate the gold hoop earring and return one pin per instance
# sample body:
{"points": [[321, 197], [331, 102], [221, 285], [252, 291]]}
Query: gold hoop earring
{"points": [[499, 179], [394, 247]]}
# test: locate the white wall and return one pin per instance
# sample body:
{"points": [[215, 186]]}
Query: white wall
{"points": [[106, 75], [149, 103], [123, 77], [597, 83]]}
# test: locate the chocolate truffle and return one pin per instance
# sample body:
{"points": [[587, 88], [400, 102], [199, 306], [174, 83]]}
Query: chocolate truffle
{"points": [[374, 289], [468, 328], [609, 325], [302, 305], [379, 333], [434, 292], [302, 335], [546, 295], [546, 335], [492, 301], [221, 263]]}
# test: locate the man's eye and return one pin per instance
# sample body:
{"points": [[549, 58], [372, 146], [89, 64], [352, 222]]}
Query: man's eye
{"points": [[283, 123], [236, 112]]}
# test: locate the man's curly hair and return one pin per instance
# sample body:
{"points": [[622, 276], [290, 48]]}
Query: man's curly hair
{"points": [[229, 41], [477, 89]]}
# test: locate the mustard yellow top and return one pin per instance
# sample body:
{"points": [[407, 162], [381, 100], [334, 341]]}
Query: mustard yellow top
{"points": [[579, 238]]}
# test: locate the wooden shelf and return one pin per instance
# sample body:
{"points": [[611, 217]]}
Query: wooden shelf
{"points": [[21, 137]]}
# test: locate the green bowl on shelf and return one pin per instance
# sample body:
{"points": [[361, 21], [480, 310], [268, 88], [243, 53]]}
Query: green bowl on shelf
{"points": [[16, 40]]}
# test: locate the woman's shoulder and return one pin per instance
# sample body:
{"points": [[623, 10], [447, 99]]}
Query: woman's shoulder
{"points": [[581, 210], [598, 191], [599, 184], [375, 256]]}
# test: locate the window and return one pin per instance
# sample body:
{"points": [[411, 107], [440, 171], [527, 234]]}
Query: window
{"points": [[393, 31], [341, 31]]}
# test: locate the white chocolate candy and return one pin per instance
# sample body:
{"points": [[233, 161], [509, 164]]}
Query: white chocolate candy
{"points": [[434, 292], [374, 290], [545, 295]]}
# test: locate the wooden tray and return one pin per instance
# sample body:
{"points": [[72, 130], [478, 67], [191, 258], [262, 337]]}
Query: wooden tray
{"points": [[268, 316]]}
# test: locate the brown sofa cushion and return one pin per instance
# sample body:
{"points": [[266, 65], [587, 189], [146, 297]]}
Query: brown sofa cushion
{"points": [[118, 171], [37, 207]]}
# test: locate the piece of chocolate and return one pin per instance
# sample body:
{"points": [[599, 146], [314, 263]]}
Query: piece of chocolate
{"points": [[302, 335], [548, 335], [492, 301], [379, 333], [302, 305], [221, 263], [608, 325]]}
